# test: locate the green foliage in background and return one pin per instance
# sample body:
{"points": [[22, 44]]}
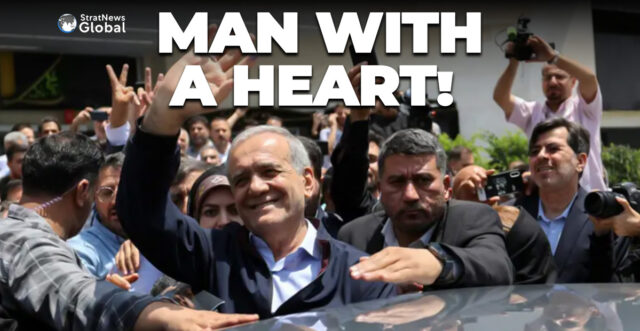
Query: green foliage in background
{"points": [[497, 152], [506, 149], [622, 164], [478, 156]]}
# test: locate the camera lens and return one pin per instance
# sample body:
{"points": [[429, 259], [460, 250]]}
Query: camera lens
{"points": [[602, 204]]}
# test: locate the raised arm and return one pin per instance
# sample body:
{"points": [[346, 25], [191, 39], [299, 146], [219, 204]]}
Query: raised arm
{"points": [[502, 92], [172, 241], [588, 83]]}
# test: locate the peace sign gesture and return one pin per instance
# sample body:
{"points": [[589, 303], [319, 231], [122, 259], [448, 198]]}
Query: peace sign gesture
{"points": [[123, 98]]}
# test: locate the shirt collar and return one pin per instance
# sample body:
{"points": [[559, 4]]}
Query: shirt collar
{"points": [[309, 246], [391, 240], [565, 213], [103, 232]]}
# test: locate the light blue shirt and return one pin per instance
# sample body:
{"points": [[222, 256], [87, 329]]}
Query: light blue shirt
{"points": [[553, 228], [97, 247], [390, 239], [293, 272]]}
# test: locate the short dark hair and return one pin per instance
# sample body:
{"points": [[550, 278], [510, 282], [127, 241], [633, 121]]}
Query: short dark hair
{"points": [[115, 160], [315, 155], [375, 138], [10, 186], [187, 166], [455, 153], [20, 126], [48, 119], [412, 142], [578, 139], [55, 163], [15, 148], [196, 119]]}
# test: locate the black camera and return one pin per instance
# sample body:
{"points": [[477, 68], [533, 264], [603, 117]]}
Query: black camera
{"points": [[418, 117], [519, 37], [603, 204]]}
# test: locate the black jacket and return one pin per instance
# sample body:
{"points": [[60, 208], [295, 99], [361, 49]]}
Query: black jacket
{"points": [[350, 162], [530, 252], [581, 257], [470, 231], [223, 262]]}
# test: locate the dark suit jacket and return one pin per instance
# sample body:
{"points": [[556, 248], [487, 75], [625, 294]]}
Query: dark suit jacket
{"points": [[580, 257], [469, 231]]}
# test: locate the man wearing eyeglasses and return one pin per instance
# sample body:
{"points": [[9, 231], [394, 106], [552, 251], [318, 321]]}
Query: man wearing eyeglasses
{"points": [[98, 245]]}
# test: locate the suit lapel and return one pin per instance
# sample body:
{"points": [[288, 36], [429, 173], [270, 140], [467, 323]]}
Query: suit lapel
{"points": [[376, 243], [576, 221]]}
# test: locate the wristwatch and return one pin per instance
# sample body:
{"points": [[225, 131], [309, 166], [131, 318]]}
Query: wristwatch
{"points": [[447, 274], [555, 57]]}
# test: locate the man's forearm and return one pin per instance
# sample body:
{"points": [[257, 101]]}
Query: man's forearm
{"points": [[502, 92], [588, 82]]}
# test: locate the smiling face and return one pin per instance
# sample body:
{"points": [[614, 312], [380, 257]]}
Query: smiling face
{"points": [[553, 163], [267, 190], [412, 191]]}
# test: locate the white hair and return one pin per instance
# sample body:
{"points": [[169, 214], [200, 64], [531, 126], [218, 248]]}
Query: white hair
{"points": [[297, 153]]}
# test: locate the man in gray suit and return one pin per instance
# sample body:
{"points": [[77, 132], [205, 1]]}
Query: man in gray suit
{"points": [[441, 243]]}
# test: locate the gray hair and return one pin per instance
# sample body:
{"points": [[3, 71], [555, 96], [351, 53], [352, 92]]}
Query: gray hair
{"points": [[15, 138], [115, 160], [297, 153], [413, 142]]}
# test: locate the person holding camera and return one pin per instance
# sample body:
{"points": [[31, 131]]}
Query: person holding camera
{"points": [[611, 212], [558, 152], [559, 76]]}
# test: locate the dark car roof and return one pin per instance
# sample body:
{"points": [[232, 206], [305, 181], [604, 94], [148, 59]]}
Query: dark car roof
{"points": [[524, 307]]}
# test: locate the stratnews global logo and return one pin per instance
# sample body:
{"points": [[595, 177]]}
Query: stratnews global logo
{"points": [[97, 24]]}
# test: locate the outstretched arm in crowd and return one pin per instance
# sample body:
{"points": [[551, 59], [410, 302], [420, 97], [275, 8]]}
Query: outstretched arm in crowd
{"points": [[236, 116], [350, 162], [172, 241]]}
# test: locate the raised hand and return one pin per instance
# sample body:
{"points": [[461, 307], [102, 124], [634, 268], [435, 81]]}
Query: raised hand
{"points": [[123, 98], [83, 117], [219, 73], [146, 94]]}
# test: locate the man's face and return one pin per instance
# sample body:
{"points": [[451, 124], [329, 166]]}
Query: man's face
{"points": [[557, 84], [210, 156], [30, 135], [341, 115], [49, 128], [553, 163], [372, 172], [267, 190], [220, 133], [466, 159], [15, 165], [198, 133], [180, 192], [105, 199], [412, 191], [183, 142]]}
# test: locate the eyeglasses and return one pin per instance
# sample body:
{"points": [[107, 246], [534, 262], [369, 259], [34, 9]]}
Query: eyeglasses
{"points": [[106, 194]]}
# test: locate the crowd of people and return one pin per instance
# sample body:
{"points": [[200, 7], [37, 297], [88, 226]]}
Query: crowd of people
{"points": [[163, 220]]}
